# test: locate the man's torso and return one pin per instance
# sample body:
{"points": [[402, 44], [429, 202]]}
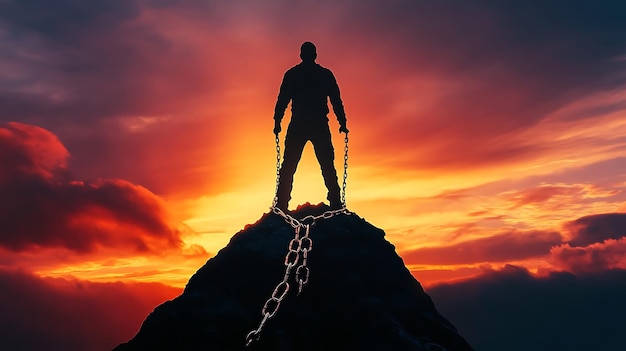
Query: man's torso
{"points": [[309, 87]]}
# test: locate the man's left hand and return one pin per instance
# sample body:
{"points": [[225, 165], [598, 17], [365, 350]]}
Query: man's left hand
{"points": [[343, 129]]}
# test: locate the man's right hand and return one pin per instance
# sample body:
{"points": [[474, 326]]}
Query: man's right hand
{"points": [[277, 128]]}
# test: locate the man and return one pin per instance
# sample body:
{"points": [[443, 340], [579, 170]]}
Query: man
{"points": [[308, 86]]}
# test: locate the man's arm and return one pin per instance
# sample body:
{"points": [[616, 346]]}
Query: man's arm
{"points": [[335, 100], [284, 95]]}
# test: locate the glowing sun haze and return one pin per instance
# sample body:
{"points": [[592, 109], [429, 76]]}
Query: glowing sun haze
{"points": [[136, 136]]}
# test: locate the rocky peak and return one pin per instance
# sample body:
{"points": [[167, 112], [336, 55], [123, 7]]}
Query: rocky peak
{"points": [[360, 295]]}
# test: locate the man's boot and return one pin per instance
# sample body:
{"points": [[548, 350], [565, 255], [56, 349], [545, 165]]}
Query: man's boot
{"points": [[335, 202], [282, 204]]}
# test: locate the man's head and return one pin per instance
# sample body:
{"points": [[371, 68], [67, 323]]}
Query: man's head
{"points": [[308, 52]]}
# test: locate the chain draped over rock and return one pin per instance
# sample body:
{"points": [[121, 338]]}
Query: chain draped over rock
{"points": [[298, 249]]}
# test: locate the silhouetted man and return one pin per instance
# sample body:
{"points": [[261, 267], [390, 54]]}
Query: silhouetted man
{"points": [[308, 86]]}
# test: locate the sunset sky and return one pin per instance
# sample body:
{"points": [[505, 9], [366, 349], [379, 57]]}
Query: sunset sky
{"points": [[487, 139]]}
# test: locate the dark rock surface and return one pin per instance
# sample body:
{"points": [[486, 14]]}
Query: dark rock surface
{"points": [[360, 296]]}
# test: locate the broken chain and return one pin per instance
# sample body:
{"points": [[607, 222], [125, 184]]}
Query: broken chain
{"points": [[298, 252], [298, 249]]}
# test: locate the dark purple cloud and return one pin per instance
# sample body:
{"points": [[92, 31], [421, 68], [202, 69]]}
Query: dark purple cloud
{"points": [[596, 244], [459, 80], [514, 311], [41, 206], [596, 228], [498, 68], [67, 314], [109, 55], [79, 63], [502, 247], [561, 43], [89, 72]]}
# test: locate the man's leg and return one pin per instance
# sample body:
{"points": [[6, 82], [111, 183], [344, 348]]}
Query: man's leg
{"points": [[326, 157], [294, 144]]}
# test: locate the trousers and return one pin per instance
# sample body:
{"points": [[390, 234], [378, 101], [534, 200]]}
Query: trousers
{"points": [[298, 134]]}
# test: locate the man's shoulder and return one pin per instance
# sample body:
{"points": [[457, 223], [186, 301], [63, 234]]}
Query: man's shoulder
{"points": [[326, 72], [294, 68], [292, 71], [308, 66], [323, 69]]}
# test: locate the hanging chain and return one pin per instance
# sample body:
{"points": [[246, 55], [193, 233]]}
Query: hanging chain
{"points": [[345, 171], [275, 201], [299, 247]]}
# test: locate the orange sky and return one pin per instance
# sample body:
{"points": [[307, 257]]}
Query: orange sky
{"points": [[474, 143], [439, 155]]}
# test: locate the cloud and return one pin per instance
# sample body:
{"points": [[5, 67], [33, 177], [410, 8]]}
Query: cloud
{"points": [[595, 257], [495, 74], [582, 254], [62, 20], [120, 82], [501, 247], [79, 63], [30, 151], [430, 277], [42, 207], [455, 84], [542, 194], [596, 228], [513, 310], [69, 314]]}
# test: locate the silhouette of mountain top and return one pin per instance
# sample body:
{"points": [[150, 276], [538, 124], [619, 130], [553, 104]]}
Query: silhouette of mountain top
{"points": [[360, 296]]}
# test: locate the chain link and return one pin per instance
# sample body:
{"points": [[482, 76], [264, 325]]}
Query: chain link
{"points": [[298, 252], [345, 171], [298, 248], [310, 219], [275, 202], [306, 245], [271, 306]]}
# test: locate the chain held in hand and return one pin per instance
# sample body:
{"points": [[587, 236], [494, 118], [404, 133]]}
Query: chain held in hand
{"points": [[299, 247]]}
